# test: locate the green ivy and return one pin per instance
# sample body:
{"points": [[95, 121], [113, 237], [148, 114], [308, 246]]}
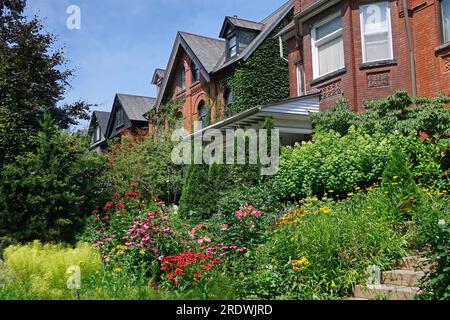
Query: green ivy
{"points": [[262, 79]]}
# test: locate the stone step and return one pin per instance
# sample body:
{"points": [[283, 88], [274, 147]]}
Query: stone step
{"points": [[407, 278], [385, 292], [414, 263]]}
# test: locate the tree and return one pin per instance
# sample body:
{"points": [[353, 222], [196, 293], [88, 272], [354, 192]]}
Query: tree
{"points": [[33, 80], [45, 194]]}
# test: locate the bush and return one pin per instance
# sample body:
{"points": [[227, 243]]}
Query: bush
{"points": [[321, 249], [45, 195], [41, 269], [398, 112], [332, 162], [146, 160]]}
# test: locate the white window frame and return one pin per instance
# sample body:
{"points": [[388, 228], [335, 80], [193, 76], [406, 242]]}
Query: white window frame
{"points": [[316, 43], [97, 134], [299, 79], [363, 38]]}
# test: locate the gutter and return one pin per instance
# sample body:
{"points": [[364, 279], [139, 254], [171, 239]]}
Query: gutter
{"points": [[411, 48]]}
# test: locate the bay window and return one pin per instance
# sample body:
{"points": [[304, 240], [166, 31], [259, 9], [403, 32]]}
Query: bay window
{"points": [[327, 46], [376, 35], [445, 20]]}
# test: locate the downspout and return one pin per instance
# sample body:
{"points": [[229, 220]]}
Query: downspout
{"points": [[281, 49], [411, 48]]}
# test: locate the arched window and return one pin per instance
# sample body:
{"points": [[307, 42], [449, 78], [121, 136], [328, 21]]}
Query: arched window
{"points": [[195, 72], [182, 79], [229, 99], [203, 114]]}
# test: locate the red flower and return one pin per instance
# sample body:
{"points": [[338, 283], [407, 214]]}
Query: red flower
{"points": [[178, 272], [134, 186], [120, 205], [95, 212], [108, 205], [170, 276], [117, 196], [197, 276]]}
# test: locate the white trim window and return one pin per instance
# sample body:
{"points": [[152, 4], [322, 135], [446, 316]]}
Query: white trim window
{"points": [[445, 19], [376, 34], [98, 134], [327, 46], [299, 80]]}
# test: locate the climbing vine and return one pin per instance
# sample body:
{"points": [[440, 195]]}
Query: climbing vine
{"points": [[262, 79], [168, 111]]}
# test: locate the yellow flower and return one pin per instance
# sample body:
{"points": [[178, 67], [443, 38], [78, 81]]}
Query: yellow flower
{"points": [[357, 188], [395, 177], [351, 194], [299, 264], [293, 195], [142, 252], [118, 270]]}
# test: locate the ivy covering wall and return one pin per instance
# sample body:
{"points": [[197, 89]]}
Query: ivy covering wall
{"points": [[262, 79]]}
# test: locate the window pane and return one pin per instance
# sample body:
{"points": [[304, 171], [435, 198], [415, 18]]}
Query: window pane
{"points": [[375, 17], [331, 56], [233, 51], [378, 47], [445, 9], [328, 28], [232, 42]]}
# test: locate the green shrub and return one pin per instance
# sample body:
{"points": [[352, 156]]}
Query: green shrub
{"points": [[332, 162], [397, 112], [145, 160], [40, 270], [45, 195], [322, 249]]}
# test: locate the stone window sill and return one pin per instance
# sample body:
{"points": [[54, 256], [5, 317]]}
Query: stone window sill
{"points": [[443, 47], [377, 64], [329, 76]]}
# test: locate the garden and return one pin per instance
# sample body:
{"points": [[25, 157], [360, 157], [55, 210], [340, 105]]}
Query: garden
{"points": [[369, 189]]}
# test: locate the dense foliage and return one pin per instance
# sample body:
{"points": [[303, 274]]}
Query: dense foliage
{"points": [[33, 80], [44, 195], [146, 160], [262, 79], [397, 112]]}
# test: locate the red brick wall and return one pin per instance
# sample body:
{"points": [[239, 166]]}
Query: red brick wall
{"points": [[432, 67], [358, 84]]}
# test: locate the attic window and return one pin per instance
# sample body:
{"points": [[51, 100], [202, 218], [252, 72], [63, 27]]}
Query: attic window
{"points": [[232, 47], [182, 80], [97, 133], [195, 73], [119, 117]]}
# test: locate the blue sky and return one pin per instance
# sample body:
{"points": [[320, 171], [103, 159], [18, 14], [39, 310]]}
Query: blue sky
{"points": [[121, 43]]}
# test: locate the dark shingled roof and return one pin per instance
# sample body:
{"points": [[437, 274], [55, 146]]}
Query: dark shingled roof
{"points": [[102, 119], [159, 73], [136, 106], [240, 23], [207, 50], [269, 24]]}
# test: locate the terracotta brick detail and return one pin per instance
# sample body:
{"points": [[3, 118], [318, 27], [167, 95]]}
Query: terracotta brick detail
{"points": [[331, 90], [378, 80], [446, 63]]}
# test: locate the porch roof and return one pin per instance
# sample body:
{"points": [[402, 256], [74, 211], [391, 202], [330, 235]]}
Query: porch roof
{"points": [[289, 116]]}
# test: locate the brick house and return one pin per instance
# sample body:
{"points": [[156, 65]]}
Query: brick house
{"points": [[127, 115], [197, 66], [367, 49]]}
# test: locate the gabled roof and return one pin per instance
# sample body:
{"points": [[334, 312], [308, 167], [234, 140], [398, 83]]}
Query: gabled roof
{"points": [[210, 55], [207, 50], [136, 106], [270, 24], [204, 51], [102, 118], [240, 24], [158, 75]]}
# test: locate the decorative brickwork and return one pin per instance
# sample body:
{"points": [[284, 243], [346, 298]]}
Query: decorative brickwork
{"points": [[378, 80], [446, 63], [331, 90]]}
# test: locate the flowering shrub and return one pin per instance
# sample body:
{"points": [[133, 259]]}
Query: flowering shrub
{"points": [[188, 270]]}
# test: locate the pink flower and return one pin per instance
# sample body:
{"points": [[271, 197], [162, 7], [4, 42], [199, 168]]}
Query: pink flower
{"points": [[224, 227], [161, 258]]}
